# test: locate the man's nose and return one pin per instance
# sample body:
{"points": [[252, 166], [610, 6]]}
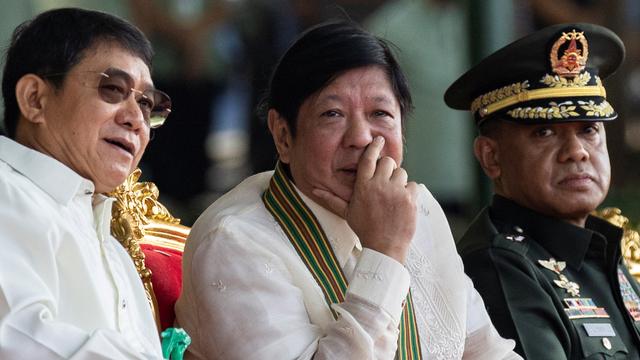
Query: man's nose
{"points": [[130, 115], [359, 133], [573, 149]]}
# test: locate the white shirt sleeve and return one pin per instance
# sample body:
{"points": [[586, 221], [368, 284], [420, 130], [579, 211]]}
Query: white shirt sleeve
{"points": [[483, 341], [29, 325], [246, 305]]}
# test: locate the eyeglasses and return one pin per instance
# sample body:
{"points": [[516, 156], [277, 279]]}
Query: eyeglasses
{"points": [[115, 86]]}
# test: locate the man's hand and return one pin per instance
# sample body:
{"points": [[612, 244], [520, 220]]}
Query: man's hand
{"points": [[382, 209]]}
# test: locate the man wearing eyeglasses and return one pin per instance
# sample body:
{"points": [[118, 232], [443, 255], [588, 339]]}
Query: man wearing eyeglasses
{"points": [[79, 106]]}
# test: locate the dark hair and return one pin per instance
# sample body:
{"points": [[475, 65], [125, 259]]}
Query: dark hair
{"points": [[323, 53], [56, 40], [490, 127]]}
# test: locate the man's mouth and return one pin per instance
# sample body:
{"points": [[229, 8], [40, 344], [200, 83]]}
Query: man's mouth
{"points": [[122, 144], [350, 171], [577, 180]]}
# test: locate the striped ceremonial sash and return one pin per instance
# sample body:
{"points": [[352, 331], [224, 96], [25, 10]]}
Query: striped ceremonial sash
{"points": [[310, 241]]}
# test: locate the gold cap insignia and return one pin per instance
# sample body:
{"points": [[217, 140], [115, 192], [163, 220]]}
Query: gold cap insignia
{"points": [[573, 59]]}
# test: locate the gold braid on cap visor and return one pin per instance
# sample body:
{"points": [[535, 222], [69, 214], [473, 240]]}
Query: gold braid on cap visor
{"points": [[517, 93]]}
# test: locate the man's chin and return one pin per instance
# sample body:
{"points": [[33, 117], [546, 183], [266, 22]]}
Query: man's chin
{"points": [[587, 202], [576, 210], [111, 182]]}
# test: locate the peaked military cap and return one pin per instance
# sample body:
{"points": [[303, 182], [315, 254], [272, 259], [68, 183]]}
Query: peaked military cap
{"points": [[552, 75]]}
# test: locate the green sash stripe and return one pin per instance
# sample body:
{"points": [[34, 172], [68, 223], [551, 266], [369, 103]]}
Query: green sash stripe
{"points": [[310, 242], [288, 195], [291, 197], [401, 353], [296, 229], [309, 223], [292, 232], [413, 328]]}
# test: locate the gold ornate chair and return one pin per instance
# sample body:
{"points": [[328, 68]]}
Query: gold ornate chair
{"points": [[630, 240], [154, 239]]}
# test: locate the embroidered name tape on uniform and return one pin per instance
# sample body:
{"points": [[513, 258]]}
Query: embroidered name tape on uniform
{"points": [[599, 329]]}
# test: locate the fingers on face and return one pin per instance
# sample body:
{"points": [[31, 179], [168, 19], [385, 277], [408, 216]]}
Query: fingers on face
{"points": [[399, 176], [368, 160], [386, 167]]}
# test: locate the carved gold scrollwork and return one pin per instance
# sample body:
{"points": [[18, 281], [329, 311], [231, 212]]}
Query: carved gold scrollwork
{"points": [[135, 207], [630, 245]]}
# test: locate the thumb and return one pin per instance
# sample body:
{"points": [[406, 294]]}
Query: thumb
{"points": [[333, 203]]}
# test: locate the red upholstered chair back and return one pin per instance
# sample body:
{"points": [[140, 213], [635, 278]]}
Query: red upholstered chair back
{"points": [[163, 247], [154, 239]]}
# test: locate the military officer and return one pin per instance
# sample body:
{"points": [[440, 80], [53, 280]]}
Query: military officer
{"points": [[551, 275]]}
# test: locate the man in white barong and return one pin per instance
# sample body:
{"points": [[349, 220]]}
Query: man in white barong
{"points": [[335, 255]]}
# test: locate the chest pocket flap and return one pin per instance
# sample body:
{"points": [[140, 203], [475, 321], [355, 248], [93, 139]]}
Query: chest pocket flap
{"points": [[599, 339]]}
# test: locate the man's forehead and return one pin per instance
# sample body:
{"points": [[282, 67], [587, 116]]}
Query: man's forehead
{"points": [[104, 55]]}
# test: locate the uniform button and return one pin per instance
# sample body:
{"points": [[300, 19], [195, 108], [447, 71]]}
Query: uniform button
{"points": [[606, 343], [518, 229], [124, 304]]}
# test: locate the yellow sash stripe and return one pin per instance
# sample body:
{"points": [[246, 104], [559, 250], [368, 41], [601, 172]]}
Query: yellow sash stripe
{"points": [[310, 242]]}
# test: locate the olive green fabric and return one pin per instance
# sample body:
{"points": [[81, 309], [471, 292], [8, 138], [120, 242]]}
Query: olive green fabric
{"points": [[500, 252]]}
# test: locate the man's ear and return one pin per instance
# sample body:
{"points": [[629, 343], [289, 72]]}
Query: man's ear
{"points": [[281, 133], [31, 95], [487, 152]]}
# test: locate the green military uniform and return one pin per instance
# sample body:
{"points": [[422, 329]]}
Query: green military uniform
{"points": [[559, 290], [508, 252]]}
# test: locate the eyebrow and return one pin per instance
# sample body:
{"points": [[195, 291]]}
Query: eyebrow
{"points": [[383, 99], [117, 71], [380, 99]]}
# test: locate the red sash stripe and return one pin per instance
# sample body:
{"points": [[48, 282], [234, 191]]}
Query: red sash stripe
{"points": [[310, 242]]}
